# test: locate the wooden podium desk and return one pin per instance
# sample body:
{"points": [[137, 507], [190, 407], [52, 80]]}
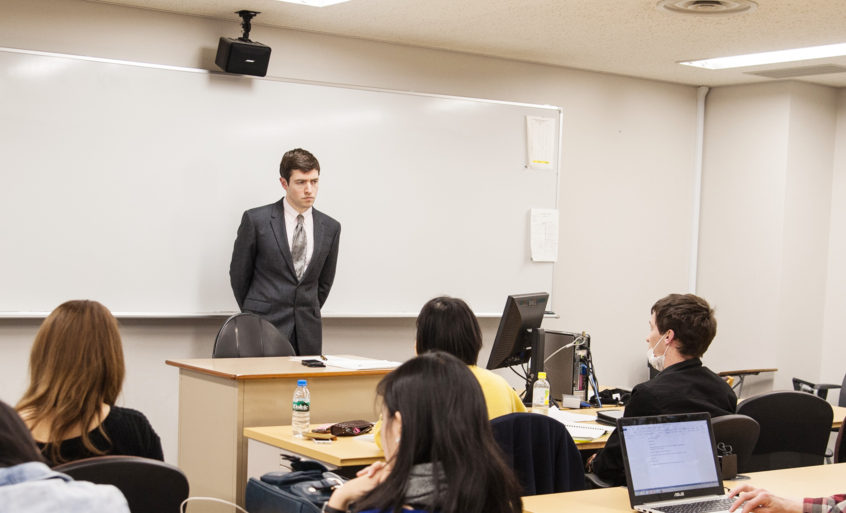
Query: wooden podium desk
{"points": [[818, 481], [219, 397]]}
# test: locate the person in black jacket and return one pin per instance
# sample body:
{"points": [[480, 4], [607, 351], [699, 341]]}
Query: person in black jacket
{"points": [[682, 327], [285, 254]]}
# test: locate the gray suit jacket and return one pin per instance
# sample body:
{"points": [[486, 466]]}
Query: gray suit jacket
{"points": [[263, 279]]}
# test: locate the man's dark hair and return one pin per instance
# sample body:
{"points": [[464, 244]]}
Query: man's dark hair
{"points": [[692, 320], [447, 324], [297, 158]]}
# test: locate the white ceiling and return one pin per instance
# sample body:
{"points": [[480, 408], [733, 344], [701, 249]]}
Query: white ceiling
{"points": [[626, 37]]}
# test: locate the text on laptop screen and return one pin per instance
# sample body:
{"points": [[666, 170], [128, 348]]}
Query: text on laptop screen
{"points": [[670, 457]]}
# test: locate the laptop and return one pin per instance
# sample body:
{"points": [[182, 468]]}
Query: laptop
{"points": [[671, 464]]}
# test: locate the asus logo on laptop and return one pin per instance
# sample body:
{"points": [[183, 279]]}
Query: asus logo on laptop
{"points": [[678, 494]]}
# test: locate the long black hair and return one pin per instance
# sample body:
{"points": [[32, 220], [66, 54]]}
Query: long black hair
{"points": [[16, 443], [445, 422]]}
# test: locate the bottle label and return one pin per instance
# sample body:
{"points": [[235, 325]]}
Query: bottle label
{"points": [[301, 406], [540, 396]]}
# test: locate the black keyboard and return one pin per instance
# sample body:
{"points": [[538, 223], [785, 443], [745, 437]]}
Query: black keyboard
{"points": [[699, 507]]}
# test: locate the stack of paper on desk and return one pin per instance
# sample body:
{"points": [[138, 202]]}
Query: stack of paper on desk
{"points": [[576, 424], [357, 364], [586, 431]]}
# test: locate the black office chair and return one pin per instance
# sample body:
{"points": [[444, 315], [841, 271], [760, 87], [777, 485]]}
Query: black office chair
{"points": [[794, 429], [541, 452], [247, 335], [738, 432], [840, 445], [821, 389], [150, 486]]}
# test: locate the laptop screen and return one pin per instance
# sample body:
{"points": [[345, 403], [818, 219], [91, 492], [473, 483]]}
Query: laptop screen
{"points": [[669, 457]]}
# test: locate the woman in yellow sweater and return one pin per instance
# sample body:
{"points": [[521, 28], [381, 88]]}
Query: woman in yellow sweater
{"points": [[447, 324]]}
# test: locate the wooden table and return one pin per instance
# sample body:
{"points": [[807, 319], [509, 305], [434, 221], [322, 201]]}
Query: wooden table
{"points": [[839, 415], [219, 397], [267, 443], [818, 481]]}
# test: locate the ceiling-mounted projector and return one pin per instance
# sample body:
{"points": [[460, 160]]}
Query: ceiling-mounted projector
{"points": [[242, 55]]}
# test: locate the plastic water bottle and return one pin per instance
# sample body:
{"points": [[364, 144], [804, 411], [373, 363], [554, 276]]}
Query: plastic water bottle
{"points": [[540, 395], [300, 412]]}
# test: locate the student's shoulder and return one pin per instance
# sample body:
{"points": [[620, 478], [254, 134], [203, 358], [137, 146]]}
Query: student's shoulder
{"points": [[50, 495], [121, 415], [483, 373], [488, 379]]}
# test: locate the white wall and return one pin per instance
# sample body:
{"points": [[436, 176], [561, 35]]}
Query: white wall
{"points": [[834, 328], [765, 225]]}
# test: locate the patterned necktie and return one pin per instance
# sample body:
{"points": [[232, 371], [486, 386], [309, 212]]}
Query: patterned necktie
{"points": [[298, 248]]}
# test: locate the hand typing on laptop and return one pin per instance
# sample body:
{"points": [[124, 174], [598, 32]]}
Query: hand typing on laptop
{"points": [[761, 501]]}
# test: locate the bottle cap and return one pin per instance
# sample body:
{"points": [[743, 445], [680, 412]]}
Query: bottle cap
{"points": [[301, 382], [541, 375]]}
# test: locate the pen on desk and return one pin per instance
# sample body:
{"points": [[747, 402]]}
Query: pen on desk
{"points": [[323, 358]]}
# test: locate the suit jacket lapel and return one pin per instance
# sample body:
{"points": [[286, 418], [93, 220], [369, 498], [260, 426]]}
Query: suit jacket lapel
{"points": [[277, 223], [319, 243]]}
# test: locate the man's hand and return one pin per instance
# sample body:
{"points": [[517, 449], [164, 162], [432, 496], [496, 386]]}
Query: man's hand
{"points": [[750, 498]]}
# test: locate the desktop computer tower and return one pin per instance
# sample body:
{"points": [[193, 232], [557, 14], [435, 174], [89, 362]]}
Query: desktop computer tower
{"points": [[566, 369]]}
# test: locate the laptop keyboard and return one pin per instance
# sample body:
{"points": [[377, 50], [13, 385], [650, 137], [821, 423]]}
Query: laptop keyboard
{"points": [[700, 507]]}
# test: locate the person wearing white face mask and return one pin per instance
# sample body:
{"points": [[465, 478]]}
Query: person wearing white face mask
{"points": [[681, 328]]}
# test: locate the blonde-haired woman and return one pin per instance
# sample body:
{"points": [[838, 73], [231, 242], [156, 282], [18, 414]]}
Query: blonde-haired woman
{"points": [[76, 373]]}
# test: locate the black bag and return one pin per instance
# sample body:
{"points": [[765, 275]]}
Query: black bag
{"points": [[301, 491], [613, 396]]}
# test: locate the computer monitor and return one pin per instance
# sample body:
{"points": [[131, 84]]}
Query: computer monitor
{"points": [[519, 334]]}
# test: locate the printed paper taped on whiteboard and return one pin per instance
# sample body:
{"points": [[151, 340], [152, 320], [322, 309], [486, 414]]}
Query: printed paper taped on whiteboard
{"points": [[540, 135], [544, 234]]}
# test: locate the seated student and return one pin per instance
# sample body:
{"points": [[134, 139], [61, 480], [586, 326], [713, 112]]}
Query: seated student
{"points": [[682, 327], [76, 373], [759, 500], [27, 485], [447, 324], [440, 454]]}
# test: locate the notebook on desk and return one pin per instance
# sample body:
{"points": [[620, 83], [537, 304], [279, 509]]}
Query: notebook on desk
{"points": [[671, 464]]}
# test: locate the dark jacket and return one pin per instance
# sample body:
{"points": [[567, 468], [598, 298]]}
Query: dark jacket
{"points": [[263, 280], [541, 452], [686, 387]]}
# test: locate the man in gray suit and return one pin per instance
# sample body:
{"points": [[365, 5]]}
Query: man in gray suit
{"points": [[283, 263]]}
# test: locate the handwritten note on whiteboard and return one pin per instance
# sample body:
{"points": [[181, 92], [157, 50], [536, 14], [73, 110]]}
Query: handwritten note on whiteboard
{"points": [[544, 234]]}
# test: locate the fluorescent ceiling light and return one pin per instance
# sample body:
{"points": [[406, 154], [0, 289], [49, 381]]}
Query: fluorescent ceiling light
{"points": [[315, 3], [756, 59]]}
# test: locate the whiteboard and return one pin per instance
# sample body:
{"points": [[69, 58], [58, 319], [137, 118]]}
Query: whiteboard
{"points": [[125, 183]]}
